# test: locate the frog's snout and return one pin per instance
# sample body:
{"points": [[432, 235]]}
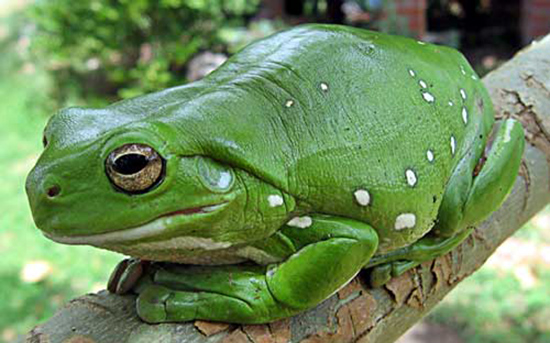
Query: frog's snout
{"points": [[42, 190]]}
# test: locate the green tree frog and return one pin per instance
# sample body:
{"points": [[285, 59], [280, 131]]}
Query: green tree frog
{"points": [[262, 189]]}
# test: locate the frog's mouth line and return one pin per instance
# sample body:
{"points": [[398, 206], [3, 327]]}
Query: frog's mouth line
{"points": [[150, 229]]}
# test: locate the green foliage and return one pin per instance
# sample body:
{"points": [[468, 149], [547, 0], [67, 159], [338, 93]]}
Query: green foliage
{"points": [[99, 48]]}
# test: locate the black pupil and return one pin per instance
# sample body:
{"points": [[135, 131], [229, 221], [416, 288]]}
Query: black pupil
{"points": [[130, 164]]}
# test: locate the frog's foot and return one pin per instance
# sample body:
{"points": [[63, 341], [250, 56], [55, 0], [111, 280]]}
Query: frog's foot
{"points": [[327, 255], [495, 178], [126, 275], [226, 293], [477, 190], [393, 264]]}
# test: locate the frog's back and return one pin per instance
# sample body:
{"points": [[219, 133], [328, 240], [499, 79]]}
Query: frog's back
{"points": [[356, 123]]}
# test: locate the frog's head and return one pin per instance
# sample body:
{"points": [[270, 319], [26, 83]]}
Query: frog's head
{"points": [[109, 180]]}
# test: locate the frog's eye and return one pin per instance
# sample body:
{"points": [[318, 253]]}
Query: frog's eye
{"points": [[134, 168]]}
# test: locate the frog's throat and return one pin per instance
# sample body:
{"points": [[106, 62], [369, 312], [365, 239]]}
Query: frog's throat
{"points": [[150, 229]]}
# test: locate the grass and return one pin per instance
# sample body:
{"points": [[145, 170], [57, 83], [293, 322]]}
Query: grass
{"points": [[493, 305]]}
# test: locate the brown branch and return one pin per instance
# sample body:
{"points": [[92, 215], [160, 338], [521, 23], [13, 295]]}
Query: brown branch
{"points": [[520, 89]]}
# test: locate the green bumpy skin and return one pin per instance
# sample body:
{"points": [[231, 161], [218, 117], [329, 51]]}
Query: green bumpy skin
{"points": [[307, 156]]}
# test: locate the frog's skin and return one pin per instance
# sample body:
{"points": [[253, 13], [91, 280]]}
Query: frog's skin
{"points": [[310, 154]]}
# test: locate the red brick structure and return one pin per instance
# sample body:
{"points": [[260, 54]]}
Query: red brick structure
{"points": [[535, 19], [411, 15], [414, 13]]}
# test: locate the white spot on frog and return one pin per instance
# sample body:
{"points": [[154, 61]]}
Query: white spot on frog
{"points": [[405, 221], [289, 103], [463, 93], [451, 103], [362, 196], [275, 200], [428, 97], [453, 145], [474, 77], [464, 115], [422, 84], [411, 177], [421, 42], [300, 222], [412, 73], [462, 70], [324, 87], [430, 155]]}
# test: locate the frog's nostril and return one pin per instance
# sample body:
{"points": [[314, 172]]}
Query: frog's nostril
{"points": [[53, 191]]}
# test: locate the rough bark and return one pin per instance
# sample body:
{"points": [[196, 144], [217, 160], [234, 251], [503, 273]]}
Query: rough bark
{"points": [[519, 89]]}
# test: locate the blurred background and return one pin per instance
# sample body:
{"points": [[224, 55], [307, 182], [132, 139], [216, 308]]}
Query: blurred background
{"points": [[59, 53]]}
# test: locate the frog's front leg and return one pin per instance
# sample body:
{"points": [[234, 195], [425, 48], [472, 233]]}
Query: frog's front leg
{"points": [[474, 191], [329, 251]]}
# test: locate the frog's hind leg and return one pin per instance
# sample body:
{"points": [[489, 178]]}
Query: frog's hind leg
{"points": [[326, 253], [474, 191]]}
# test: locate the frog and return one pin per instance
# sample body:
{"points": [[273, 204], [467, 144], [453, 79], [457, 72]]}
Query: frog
{"points": [[257, 192]]}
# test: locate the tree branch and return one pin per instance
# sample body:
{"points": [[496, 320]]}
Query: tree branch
{"points": [[519, 89]]}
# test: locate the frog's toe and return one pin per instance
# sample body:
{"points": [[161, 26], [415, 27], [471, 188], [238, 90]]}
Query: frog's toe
{"points": [[151, 304], [380, 275], [125, 276]]}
